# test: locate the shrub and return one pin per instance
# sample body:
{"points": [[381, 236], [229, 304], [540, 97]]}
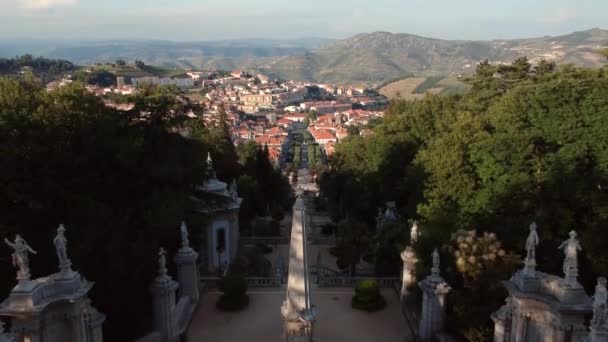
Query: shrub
{"points": [[262, 248], [234, 295], [367, 296], [328, 229]]}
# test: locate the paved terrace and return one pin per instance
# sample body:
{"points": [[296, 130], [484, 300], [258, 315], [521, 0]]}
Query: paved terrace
{"points": [[262, 322]]}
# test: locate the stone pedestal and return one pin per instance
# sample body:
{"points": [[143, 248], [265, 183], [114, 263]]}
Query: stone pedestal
{"points": [[163, 290], [187, 272], [432, 320], [408, 277], [53, 309]]}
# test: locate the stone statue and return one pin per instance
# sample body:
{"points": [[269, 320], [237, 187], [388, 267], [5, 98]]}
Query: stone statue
{"points": [[532, 242], [414, 233], [571, 248], [234, 190], [162, 262], [435, 269], [60, 243], [600, 304], [21, 257], [184, 234]]}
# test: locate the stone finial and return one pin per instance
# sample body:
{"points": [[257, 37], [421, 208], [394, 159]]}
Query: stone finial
{"points": [[435, 270], [414, 234], [571, 248], [60, 243], [184, 235], [21, 257], [162, 262], [600, 305], [531, 243], [234, 192]]}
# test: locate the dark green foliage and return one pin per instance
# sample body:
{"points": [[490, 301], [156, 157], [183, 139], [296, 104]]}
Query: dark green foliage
{"points": [[39, 66], [120, 183], [234, 297], [100, 77], [328, 229], [264, 249], [524, 144], [367, 296], [251, 262]]}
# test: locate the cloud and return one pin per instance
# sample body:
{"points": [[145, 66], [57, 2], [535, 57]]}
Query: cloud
{"points": [[45, 4]]}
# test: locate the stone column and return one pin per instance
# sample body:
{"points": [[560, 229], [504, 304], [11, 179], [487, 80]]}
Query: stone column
{"points": [[187, 269], [163, 289], [408, 278], [434, 290]]}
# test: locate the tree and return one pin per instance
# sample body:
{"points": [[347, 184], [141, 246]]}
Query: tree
{"points": [[120, 190], [140, 64], [354, 241], [121, 62]]}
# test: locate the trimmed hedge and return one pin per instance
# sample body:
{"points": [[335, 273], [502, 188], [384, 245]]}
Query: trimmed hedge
{"points": [[367, 296], [234, 297]]}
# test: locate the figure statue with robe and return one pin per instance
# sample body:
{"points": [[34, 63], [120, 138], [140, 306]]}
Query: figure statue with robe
{"points": [[60, 243], [184, 235], [21, 257]]}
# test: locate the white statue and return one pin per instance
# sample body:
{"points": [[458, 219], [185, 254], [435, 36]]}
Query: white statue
{"points": [[531, 243], [21, 257], [162, 262], [571, 248], [414, 233], [233, 190], [600, 304], [60, 243], [435, 269], [184, 234]]}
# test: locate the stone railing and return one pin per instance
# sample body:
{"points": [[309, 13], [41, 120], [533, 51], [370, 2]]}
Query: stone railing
{"points": [[409, 308], [252, 282], [387, 283], [272, 240]]}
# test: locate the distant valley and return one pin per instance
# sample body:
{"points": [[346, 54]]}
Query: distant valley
{"points": [[371, 58]]}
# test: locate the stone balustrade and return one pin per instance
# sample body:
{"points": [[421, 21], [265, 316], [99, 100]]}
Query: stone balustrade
{"points": [[386, 283]]}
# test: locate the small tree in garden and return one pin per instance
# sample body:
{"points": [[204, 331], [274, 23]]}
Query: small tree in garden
{"points": [[367, 296], [474, 254], [234, 295]]}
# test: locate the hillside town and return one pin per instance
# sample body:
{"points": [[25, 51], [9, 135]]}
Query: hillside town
{"points": [[266, 110]]}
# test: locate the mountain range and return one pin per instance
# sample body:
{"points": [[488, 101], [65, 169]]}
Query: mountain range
{"points": [[365, 58]]}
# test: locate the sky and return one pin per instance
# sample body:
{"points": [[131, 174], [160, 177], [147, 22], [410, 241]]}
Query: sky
{"points": [[200, 20]]}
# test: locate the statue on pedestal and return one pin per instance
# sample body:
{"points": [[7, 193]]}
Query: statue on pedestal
{"points": [[571, 248], [21, 257], [600, 305], [60, 243], [162, 262], [435, 270], [184, 235], [414, 234], [531, 243]]}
